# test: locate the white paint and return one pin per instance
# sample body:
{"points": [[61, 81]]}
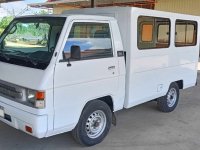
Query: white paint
{"points": [[146, 76], [2, 113]]}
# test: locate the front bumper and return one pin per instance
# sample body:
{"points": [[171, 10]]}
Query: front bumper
{"points": [[19, 119]]}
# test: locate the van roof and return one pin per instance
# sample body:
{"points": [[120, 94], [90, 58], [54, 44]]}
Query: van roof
{"points": [[87, 13], [78, 16], [119, 8]]}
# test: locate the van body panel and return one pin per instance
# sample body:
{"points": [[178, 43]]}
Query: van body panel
{"points": [[132, 76], [151, 71]]}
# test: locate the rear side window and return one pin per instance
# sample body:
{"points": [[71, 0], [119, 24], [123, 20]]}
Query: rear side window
{"points": [[147, 33], [94, 40], [153, 32], [186, 33]]}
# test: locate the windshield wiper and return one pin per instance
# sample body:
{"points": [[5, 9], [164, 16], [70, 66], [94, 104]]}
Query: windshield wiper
{"points": [[31, 60], [26, 57]]}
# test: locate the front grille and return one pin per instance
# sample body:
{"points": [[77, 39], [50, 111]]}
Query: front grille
{"points": [[9, 91]]}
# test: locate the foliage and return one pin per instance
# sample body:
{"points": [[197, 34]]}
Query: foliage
{"points": [[32, 33], [4, 22], [1, 30]]}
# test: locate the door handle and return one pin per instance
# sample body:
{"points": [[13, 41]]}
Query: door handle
{"points": [[111, 67]]}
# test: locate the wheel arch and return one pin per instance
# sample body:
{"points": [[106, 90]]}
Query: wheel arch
{"points": [[108, 99], [180, 84]]}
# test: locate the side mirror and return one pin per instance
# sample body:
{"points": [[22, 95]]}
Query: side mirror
{"points": [[75, 52]]}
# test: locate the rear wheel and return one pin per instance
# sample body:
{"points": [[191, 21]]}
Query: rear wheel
{"points": [[94, 123], [169, 102]]}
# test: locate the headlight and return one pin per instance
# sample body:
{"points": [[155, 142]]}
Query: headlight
{"points": [[31, 96], [36, 98]]}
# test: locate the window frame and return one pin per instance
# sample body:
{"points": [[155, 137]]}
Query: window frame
{"points": [[188, 22], [155, 37], [89, 22]]}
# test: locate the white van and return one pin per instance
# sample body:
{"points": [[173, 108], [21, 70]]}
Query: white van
{"points": [[71, 72]]}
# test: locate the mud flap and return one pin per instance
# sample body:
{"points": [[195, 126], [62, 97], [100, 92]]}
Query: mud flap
{"points": [[114, 119]]}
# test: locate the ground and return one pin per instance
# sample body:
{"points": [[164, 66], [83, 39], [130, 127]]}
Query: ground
{"points": [[140, 128]]}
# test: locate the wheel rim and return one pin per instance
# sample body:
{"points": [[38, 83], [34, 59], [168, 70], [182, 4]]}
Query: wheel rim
{"points": [[171, 97], [96, 124]]}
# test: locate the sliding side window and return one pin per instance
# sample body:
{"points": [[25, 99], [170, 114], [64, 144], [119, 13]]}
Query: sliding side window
{"points": [[186, 33], [153, 32]]}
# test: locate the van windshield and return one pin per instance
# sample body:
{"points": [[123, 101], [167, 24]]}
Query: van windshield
{"points": [[30, 41]]}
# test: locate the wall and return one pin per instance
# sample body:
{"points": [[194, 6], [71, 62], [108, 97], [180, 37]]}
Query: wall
{"points": [[60, 9], [191, 7], [179, 6]]}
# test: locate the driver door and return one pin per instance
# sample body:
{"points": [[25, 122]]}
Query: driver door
{"points": [[89, 76]]}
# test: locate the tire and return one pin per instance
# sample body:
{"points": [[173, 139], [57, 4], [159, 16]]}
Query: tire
{"points": [[169, 102], [94, 123]]}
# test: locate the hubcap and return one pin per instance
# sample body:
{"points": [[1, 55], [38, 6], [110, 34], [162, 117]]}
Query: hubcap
{"points": [[95, 124], [171, 97]]}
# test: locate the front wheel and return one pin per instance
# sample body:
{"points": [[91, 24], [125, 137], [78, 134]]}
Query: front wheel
{"points": [[169, 102], [94, 123]]}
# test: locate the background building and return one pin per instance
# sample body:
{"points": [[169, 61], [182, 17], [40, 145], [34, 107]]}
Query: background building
{"points": [[191, 7], [180, 6], [59, 5]]}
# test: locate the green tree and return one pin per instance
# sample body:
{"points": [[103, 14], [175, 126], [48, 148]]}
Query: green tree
{"points": [[4, 22]]}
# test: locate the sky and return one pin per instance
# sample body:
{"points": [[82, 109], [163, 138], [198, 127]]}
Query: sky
{"points": [[18, 7]]}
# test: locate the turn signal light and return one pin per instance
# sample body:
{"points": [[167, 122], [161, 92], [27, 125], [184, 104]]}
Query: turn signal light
{"points": [[36, 98], [39, 95]]}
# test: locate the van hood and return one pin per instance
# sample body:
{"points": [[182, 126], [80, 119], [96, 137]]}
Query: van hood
{"points": [[26, 77]]}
